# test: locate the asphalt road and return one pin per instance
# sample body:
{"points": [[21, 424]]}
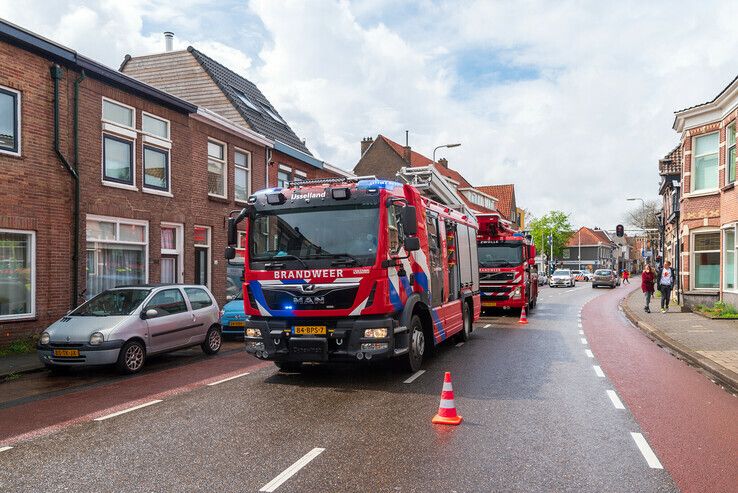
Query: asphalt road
{"points": [[537, 417]]}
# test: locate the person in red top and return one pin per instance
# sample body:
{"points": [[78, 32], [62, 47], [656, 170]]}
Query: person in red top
{"points": [[647, 280], [626, 276]]}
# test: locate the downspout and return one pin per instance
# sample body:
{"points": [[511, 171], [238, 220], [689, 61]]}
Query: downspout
{"points": [[56, 75]]}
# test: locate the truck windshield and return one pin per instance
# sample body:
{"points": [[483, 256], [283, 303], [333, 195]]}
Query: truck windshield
{"points": [[316, 237], [502, 254], [112, 303]]}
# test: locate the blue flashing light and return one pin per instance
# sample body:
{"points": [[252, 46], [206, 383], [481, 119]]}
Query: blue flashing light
{"points": [[377, 184], [288, 307], [518, 234]]}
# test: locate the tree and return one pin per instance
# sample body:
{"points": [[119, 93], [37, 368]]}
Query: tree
{"points": [[553, 222], [644, 215]]}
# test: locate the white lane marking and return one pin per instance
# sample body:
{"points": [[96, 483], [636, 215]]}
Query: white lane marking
{"points": [[5, 448], [645, 448], [487, 326], [598, 371], [145, 404], [581, 332], [584, 341], [459, 344], [615, 399], [568, 290], [228, 379], [292, 470], [414, 376], [589, 353], [579, 325]]}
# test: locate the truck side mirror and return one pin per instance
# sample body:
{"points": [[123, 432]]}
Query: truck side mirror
{"points": [[411, 243], [409, 220], [232, 232], [230, 253]]}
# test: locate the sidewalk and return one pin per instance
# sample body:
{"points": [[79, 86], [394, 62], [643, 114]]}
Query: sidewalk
{"points": [[709, 344], [19, 363]]}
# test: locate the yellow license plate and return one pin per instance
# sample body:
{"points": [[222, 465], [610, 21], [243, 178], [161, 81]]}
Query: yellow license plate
{"points": [[68, 353], [309, 330], [489, 303], [237, 323]]}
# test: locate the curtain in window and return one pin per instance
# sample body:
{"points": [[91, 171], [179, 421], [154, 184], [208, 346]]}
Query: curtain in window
{"points": [[215, 178], [116, 265], [168, 241], [729, 262], [168, 270], [15, 273]]}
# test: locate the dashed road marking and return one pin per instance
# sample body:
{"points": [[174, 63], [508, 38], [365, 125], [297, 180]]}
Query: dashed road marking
{"points": [[5, 448], [134, 408], [615, 399], [459, 344], [487, 326], [292, 470], [589, 354], [598, 371], [414, 376], [228, 379], [584, 341], [579, 325], [581, 332], [645, 448]]}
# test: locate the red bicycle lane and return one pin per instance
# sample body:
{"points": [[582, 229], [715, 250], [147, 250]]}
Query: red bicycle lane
{"points": [[42, 417], [691, 423]]}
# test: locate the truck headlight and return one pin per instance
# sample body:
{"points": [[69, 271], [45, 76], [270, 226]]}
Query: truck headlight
{"points": [[378, 333], [96, 339], [517, 293], [253, 332], [44, 338]]}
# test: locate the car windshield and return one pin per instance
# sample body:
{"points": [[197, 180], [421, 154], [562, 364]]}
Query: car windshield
{"points": [[345, 236], [603, 272], [111, 303], [562, 273], [502, 254]]}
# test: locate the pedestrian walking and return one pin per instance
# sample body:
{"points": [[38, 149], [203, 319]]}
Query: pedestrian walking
{"points": [[666, 284], [647, 281], [626, 276]]}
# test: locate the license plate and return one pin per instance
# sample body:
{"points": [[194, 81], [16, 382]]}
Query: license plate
{"points": [[236, 323], [67, 353], [489, 303], [309, 330]]}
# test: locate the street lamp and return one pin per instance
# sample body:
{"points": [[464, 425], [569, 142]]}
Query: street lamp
{"points": [[444, 145]]}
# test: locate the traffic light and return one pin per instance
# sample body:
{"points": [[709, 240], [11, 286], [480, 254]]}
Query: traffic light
{"points": [[619, 230]]}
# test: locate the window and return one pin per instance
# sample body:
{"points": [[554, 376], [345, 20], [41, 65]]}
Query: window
{"points": [[171, 253], [202, 255], [245, 100], [729, 270], [730, 152], [284, 175], [705, 170], [216, 169], [117, 160], [198, 298], [167, 302], [118, 113], [157, 127], [706, 260], [299, 176], [9, 121], [395, 225], [17, 274], [156, 168], [272, 113], [242, 160], [117, 253]]}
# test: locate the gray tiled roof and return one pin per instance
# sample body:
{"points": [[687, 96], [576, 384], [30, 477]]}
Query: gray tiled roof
{"points": [[256, 110]]}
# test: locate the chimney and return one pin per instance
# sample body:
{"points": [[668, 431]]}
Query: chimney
{"points": [[443, 162], [365, 143], [406, 153], [168, 41]]}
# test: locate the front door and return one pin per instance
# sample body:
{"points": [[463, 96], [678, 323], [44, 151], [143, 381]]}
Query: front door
{"points": [[434, 260], [201, 266], [168, 269]]}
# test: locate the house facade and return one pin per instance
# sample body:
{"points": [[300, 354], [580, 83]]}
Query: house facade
{"points": [[670, 171], [589, 249], [708, 206], [507, 204]]}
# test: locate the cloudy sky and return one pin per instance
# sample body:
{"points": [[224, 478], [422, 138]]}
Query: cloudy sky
{"points": [[572, 101]]}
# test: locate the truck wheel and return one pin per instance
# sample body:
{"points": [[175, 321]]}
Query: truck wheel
{"points": [[131, 358], [416, 346], [465, 334], [289, 366]]}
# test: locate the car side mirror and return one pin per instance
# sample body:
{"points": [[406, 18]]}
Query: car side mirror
{"points": [[150, 313], [411, 243]]}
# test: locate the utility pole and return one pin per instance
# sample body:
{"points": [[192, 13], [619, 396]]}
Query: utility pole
{"points": [[579, 252]]}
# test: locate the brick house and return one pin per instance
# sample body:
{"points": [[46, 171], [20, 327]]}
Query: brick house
{"points": [[197, 78], [506, 203], [590, 249], [670, 171], [709, 199], [384, 157]]}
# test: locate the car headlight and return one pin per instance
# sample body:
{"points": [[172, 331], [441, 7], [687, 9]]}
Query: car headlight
{"points": [[96, 339], [45, 338], [253, 332], [376, 333]]}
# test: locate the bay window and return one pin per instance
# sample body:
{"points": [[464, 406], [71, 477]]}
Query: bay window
{"points": [[242, 161], [706, 260], [705, 169], [216, 169], [17, 274], [9, 121], [729, 253]]}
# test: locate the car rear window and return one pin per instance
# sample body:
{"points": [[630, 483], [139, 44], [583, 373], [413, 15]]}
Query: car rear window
{"points": [[603, 272], [198, 298]]}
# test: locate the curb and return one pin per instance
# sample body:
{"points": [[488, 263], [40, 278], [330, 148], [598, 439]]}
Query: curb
{"points": [[21, 371], [726, 377]]}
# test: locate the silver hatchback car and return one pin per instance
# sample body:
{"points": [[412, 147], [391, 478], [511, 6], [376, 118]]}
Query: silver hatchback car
{"points": [[125, 325]]}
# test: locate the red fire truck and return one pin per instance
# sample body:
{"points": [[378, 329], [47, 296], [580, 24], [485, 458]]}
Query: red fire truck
{"points": [[507, 272], [352, 270]]}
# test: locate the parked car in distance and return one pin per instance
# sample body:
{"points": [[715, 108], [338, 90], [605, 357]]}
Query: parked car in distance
{"points": [[605, 277], [125, 325], [562, 277], [233, 317], [588, 275], [578, 275]]}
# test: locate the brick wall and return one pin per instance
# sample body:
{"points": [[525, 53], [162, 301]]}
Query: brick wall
{"points": [[381, 161]]}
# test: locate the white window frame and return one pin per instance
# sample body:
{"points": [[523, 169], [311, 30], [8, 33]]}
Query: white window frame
{"points": [[32, 314], [18, 121], [149, 189], [693, 265], [285, 169], [121, 132], [225, 166], [118, 221], [727, 181], [727, 227], [247, 168], [179, 251], [124, 128], [210, 250], [693, 170], [145, 114]]}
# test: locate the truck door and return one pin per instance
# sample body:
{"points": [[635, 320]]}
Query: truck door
{"points": [[434, 260]]}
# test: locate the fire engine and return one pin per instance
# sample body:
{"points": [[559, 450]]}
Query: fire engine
{"points": [[508, 277], [354, 269]]}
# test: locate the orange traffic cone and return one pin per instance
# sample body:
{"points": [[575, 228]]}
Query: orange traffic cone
{"points": [[447, 409], [523, 317]]}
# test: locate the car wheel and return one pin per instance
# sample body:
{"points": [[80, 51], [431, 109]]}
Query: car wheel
{"points": [[466, 317], [416, 346], [131, 358], [213, 341], [289, 366]]}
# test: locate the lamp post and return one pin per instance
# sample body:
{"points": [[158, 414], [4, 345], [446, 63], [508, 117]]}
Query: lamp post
{"points": [[441, 146]]}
